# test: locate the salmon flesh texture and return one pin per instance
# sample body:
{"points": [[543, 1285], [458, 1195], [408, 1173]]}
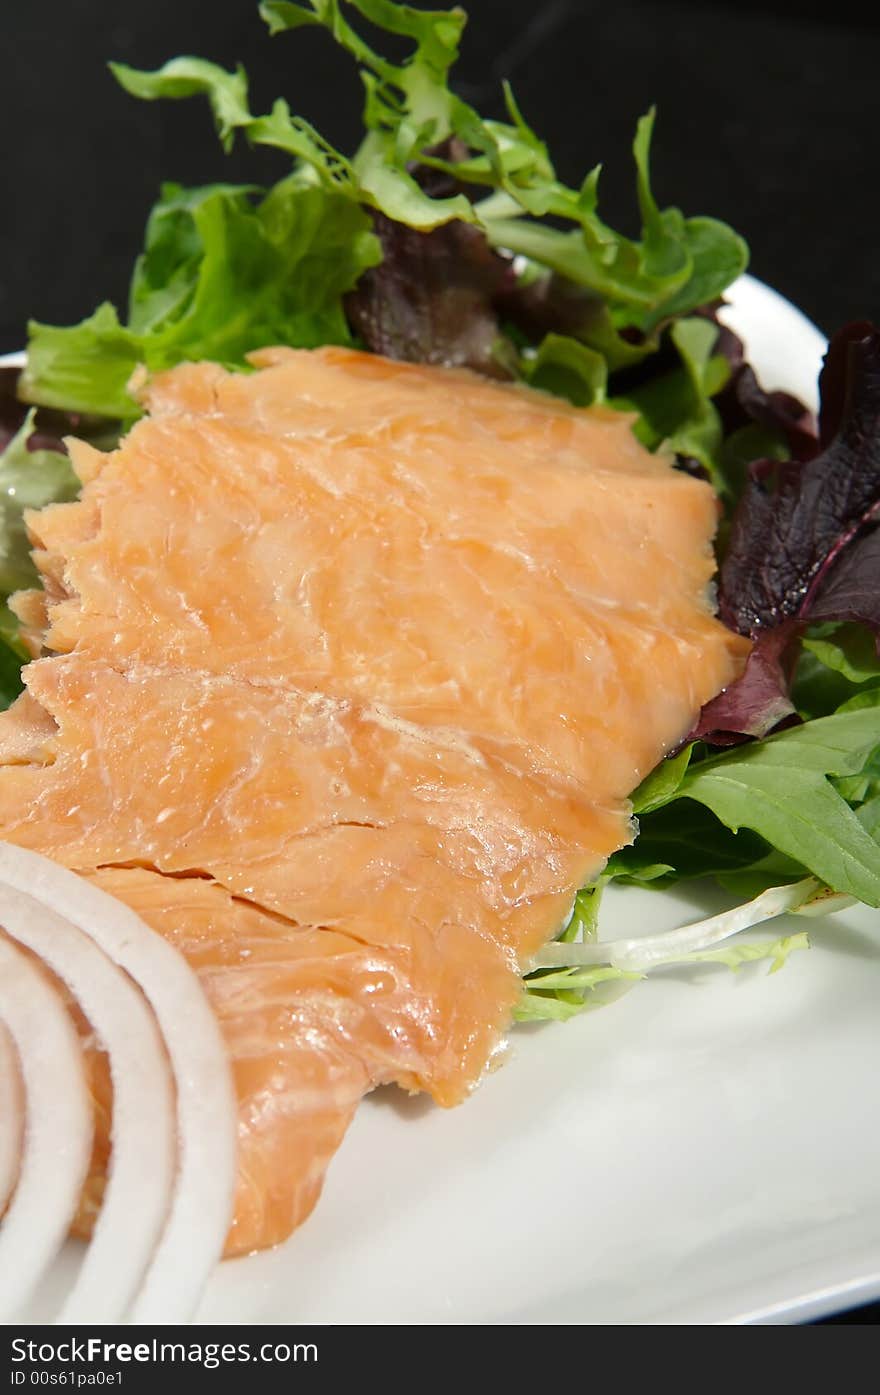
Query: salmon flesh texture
{"points": [[348, 667]]}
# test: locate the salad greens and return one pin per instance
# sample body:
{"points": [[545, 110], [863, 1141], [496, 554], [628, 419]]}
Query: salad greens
{"points": [[219, 275], [780, 788], [447, 238], [428, 164], [29, 478], [564, 973], [804, 546]]}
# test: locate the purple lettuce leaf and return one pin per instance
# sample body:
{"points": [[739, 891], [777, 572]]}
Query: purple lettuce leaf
{"points": [[759, 701], [804, 543], [431, 299], [853, 360], [549, 304], [794, 518], [851, 588], [743, 402]]}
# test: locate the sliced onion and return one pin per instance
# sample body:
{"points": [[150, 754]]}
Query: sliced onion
{"points": [[11, 1117], [58, 1128], [207, 1116], [142, 1163]]}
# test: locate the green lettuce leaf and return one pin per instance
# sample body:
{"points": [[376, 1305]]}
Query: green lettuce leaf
{"points": [[850, 650], [774, 869], [410, 109], [190, 77], [682, 841], [225, 272], [567, 368], [13, 656], [780, 789], [29, 479], [583, 923], [663, 782], [559, 994], [868, 815], [675, 409], [766, 813], [10, 674], [734, 956], [818, 690], [219, 277], [84, 367]]}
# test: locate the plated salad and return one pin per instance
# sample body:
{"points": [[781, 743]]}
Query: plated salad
{"points": [[449, 239]]}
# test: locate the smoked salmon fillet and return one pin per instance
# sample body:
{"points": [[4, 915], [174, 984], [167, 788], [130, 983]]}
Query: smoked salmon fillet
{"points": [[347, 670]]}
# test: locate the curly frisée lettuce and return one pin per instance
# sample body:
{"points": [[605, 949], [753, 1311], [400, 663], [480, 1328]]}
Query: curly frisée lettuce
{"points": [[435, 198], [568, 976], [449, 238]]}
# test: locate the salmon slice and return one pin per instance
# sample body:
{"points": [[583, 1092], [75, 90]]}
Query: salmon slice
{"points": [[348, 669]]}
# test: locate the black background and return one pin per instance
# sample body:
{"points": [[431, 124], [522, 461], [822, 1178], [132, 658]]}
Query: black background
{"points": [[768, 117]]}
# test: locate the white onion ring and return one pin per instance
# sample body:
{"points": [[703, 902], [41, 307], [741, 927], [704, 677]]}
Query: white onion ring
{"points": [[11, 1117], [143, 1159], [58, 1128], [207, 1114]]}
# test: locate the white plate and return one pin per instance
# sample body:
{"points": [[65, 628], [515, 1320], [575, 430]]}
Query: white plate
{"points": [[706, 1150]]}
